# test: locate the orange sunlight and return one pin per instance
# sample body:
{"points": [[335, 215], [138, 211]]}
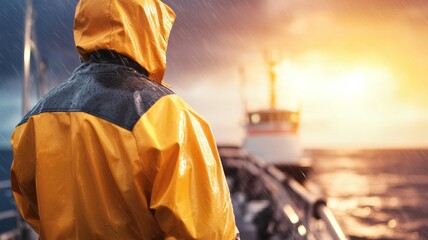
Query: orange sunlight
{"points": [[348, 104], [357, 70]]}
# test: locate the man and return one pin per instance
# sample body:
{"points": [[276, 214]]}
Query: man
{"points": [[112, 153]]}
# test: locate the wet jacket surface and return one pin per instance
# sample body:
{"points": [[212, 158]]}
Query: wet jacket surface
{"points": [[113, 154]]}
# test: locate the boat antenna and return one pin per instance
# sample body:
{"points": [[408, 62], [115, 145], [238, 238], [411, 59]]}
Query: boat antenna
{"points": [[27, 56], [272, 61], [31, 50]]}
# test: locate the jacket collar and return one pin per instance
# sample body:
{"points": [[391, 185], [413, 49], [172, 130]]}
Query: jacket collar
{"points": [[108, 56]]}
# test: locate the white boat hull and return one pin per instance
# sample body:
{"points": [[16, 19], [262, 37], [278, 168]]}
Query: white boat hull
{"points": [[278, 149]]}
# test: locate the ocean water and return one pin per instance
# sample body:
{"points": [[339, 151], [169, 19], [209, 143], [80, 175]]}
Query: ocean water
{"points": [[375, 194]]}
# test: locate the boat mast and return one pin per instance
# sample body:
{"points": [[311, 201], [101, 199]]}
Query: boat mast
{"points": [[272, 62], [31, 50], [27, 56]]}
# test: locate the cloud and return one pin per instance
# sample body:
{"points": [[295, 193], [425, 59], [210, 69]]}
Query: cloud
{"points": [[391, 33]]}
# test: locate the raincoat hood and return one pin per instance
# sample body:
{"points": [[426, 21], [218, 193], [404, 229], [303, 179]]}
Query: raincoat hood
{"points": [[138, 29]]}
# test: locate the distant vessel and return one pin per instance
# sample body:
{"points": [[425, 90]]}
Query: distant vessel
{"points": [[272, 135]]}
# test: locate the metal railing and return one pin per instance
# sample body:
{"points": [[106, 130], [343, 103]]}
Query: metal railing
{"points": [[317, 207], [300, 206]]}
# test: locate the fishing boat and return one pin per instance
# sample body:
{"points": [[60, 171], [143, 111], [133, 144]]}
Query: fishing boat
{"points": [[266, 175], [272, 135]]}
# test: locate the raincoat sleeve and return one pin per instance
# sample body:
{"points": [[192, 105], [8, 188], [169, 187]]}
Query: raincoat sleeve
{"points": [[190, 197], [23, 177]]}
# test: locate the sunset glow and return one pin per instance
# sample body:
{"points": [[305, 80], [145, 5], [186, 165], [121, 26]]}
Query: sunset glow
{"points": [[353, 103], [356, 70]]}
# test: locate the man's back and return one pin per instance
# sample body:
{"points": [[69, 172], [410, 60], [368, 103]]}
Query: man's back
{"points": [[112, 153], [102, 159], [82, 147]]}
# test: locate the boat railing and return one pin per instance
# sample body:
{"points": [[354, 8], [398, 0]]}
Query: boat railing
{"points": [[316, 206], [298, 205]]}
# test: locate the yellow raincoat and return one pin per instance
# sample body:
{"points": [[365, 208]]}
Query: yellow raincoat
{"points": [[113, 154]]}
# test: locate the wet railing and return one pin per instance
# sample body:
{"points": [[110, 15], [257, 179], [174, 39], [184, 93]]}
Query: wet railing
{"points": [[281, 208], [316, 207]]}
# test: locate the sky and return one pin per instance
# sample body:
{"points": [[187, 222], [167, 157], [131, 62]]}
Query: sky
{"points": [[356, 69]]}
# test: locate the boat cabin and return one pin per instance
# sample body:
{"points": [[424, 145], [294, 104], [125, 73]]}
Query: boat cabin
{"points": [[274, 119]]}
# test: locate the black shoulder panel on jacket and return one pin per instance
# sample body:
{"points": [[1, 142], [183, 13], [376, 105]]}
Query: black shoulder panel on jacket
{"points": [[112, 92]]}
